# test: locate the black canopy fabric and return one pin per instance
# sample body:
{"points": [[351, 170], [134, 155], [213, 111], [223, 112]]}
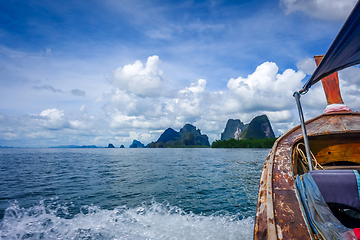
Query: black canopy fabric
{"points": [[344, 51]]}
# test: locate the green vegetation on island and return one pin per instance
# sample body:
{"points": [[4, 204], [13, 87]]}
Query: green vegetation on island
{"points": [[188, 137], [257, 134], [136, 144], [242, 143], [258, 128]]}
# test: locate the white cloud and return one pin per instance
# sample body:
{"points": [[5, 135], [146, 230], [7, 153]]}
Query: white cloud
{"points": [[195, 88], [121, 121], [351, 75], [139, 80], [266, 89], [123, 102], [190, 101], [307, 65], [280, 116], [325, 9], [52, 114], [53, 119], [349, 86]]}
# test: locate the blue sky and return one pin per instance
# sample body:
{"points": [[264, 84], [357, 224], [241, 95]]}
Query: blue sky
{"points": [[94, 72]]}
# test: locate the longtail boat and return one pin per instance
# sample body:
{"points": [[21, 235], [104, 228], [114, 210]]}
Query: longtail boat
{"points": [[310, 183]]}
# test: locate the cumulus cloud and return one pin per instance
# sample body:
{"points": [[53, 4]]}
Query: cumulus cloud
{"points": [[266, 89], [195, 88], [334, 10], [52, 114], [53, 119], [139, 80], [350, 85], [307, 65], [351, 75], [189, 101], [131, 111]]}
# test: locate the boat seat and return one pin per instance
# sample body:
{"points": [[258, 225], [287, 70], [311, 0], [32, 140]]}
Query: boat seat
{"points": [[339, 187]]}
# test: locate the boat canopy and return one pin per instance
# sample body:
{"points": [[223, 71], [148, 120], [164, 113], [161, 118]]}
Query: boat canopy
{"points": [[344, 51]]}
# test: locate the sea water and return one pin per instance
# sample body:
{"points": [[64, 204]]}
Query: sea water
{"points": [[129, 193]]}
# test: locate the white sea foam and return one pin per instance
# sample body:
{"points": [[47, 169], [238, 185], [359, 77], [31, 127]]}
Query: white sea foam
{"points": [[152, 221]]}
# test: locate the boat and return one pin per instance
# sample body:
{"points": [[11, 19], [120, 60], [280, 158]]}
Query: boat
{"points": [[310, 183]]}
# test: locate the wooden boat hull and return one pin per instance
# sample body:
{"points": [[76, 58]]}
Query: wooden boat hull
{"points": [[333, 137]]}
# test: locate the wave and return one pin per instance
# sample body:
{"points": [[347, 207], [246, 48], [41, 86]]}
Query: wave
{"points": [[148, 221]]}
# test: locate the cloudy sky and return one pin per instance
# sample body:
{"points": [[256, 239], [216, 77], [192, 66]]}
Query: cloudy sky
{"points": [[101, 71]]}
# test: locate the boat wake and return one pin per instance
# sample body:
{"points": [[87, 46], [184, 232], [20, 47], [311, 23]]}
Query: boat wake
{"points": [[148, 221]]}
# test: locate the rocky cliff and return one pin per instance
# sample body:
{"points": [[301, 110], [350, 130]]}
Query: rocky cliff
{"points": [[188, 136], [233, 129], [169, 135], [258, 128], [136, 144]]}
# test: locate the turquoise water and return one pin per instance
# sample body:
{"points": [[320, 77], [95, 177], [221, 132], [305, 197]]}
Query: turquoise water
{"points": [[129, 193]]}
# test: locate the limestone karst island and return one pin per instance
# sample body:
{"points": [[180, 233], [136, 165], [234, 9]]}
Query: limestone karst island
{"points": [[256, 134]]}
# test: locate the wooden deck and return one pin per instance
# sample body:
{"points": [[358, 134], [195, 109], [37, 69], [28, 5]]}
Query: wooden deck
{"points": [[333, 137]]}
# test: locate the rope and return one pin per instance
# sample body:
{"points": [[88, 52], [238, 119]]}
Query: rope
{"points": [[301, 156]]}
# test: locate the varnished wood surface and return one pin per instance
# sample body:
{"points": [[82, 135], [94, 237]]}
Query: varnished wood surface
{"points": [[338, 134]]}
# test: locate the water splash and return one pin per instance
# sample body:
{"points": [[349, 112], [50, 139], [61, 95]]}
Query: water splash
{"points": [[148, 221]]}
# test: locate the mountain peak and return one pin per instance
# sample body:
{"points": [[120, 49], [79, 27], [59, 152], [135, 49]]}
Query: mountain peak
{"points": [[188, 136], [258, 128], [136, 144], [233, 129]]}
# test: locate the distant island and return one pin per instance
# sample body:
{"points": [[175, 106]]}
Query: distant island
{"points": [[188, 136], [258, 128], [233, 129], [257, 134], [136, 144]]}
